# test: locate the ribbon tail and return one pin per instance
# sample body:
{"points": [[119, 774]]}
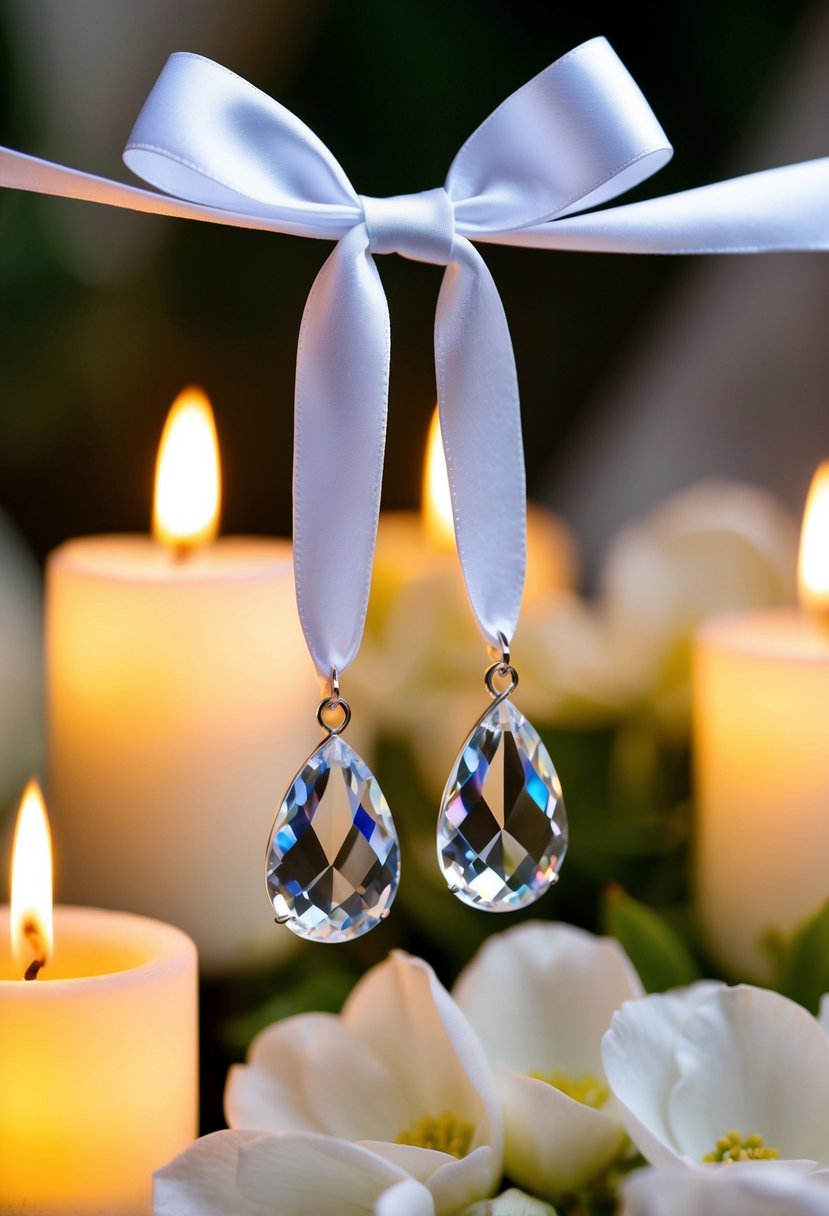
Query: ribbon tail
{"points": [[481, 424], [339, 441], [778, 209]]}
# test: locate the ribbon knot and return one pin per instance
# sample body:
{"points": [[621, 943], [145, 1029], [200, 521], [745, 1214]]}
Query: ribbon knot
{"points": [[573, 137], [417, 226]]}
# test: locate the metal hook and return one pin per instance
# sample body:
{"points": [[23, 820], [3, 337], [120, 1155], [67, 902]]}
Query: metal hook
{"points": [[505, 654], [501, 667], [334, 701]]}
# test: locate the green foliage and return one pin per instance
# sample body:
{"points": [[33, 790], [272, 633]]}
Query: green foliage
{"points": [[656, 950], [803, 961], [627, 793]]}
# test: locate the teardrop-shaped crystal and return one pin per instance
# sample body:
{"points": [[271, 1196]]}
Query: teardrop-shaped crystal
{"points": [[502, 828], [333, 863]]}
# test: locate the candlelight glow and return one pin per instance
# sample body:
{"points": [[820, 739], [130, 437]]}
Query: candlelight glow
{"points": [[187, 476], [813, 563], [31, 881], [437, 503]]}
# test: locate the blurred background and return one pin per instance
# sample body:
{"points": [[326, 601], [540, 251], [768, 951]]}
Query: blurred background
{"points": [[674, 408]]}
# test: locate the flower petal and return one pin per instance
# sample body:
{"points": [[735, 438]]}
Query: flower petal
{"points": [[458, 1183], [751, 1059], [407, 1198], [421, 1163], [202, 1181], [268, 1091], [639, 1063], [752, 1189], [452, 1182], [542, 995], [409, 1021], [303, 1174], [310, 1073], [553, 1144]]}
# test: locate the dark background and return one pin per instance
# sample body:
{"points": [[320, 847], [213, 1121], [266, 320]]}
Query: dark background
{"points": [[88, 370]]}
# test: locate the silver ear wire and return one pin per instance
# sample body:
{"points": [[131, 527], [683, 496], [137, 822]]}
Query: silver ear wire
{"points": [[501, 667]]}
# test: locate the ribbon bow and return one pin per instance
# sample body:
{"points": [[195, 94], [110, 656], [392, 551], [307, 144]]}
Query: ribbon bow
{"points": [[578, 134]]}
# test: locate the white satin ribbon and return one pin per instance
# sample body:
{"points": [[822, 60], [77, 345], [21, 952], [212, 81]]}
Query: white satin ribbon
{"points": [[578, 134]]}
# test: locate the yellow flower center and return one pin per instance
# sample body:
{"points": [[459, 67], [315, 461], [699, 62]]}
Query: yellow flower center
{"points": [[446, 1133], [733, 1146], [588, 1090]]}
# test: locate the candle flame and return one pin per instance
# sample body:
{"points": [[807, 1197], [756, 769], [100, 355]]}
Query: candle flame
{"points": [[31, 881], [437, 502], [187, 476], [813, 562]]}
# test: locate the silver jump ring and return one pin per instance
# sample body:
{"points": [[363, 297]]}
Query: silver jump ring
{"points": [[331, 703], [501, 669]]}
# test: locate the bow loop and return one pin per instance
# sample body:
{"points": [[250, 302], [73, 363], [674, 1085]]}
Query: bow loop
{"points": [[577, 134], [206, 135], [417, 226]]}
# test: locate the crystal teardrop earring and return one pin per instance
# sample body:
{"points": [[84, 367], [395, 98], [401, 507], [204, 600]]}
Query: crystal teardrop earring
{"points": [[502, 826], [333, 858]]}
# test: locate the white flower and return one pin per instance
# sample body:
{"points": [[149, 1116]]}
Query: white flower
{"points": [[718, 546], [247, 1173], [579, 669], [754, 1189], [541, 996], [689, 1068], [400, 1072]]}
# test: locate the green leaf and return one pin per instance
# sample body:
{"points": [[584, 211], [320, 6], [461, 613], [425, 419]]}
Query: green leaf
{"points": [[804, 970], [656, 950]]}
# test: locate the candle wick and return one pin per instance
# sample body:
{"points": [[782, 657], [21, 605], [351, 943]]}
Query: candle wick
{"points": [[35, 966]]}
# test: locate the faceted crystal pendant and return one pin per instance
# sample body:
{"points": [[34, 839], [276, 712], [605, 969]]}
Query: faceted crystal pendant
{"points": [[502, 828], [333, 863]]}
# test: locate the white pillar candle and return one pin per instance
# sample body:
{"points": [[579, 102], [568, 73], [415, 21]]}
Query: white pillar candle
{"points": [[98, 1065], [761, 700], [98, 1053], [180, 704]]}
